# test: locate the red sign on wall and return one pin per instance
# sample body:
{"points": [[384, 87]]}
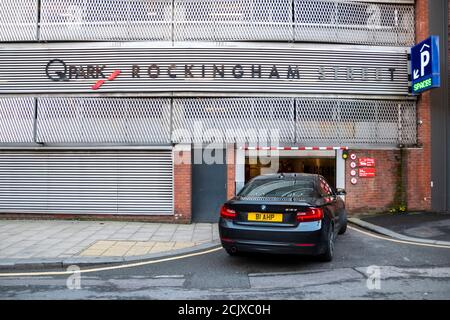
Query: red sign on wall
{"points": [[366, 172], [366, 162]]}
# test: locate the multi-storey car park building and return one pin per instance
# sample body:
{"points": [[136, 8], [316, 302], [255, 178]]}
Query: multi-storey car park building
{"points": [[103, 101]]}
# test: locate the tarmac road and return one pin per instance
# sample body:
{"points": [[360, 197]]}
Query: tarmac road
{"points": [[406, 271]]}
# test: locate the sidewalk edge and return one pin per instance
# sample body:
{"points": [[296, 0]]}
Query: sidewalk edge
{"points": [[392, 234], [43, 263]]}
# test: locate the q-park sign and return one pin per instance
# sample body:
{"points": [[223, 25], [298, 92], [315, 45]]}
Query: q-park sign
{"points": [[425, 65]]}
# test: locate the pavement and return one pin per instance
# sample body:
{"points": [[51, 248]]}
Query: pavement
{"points": [[60, 243], [423, 227]]}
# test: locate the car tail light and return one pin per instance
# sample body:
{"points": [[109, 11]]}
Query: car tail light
{"points": [[310, 214], [227, 213], [227, 240]]}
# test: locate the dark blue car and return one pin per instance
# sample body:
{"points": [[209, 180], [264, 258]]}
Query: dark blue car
{"points": [[292, 213]]}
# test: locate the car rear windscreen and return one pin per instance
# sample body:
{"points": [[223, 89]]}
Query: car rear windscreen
{"points": [[279, 188]]}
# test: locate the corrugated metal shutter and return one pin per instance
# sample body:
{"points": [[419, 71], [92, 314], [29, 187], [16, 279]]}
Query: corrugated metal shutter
{"points": [[82, 182]]}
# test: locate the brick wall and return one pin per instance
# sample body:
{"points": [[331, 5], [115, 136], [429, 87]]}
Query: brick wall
{"points": [[231, 171], [418, 161], [375, 194], [182, 186]]}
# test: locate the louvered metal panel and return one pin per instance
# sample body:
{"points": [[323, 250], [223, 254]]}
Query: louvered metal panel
{"points": [[16, 119], [233, 120], [18, 20], [231, 20], [355, 123], [106, 20], [321, 69], [354, 22], [127, 183], [103, 120]]}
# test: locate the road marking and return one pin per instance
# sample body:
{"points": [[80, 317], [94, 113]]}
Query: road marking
{"points": [[122, 266], [176, 276], [399, 241]]}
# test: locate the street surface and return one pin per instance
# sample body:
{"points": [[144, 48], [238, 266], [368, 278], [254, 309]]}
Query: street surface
{"points": [[364, 267]]}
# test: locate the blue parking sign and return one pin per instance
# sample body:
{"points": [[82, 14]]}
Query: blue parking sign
{"points": [[425, 65]]}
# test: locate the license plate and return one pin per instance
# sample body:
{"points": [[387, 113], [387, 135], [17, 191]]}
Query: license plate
{"points": [[265, 217]]}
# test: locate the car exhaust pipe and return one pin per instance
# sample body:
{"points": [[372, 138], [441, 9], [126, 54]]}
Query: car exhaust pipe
{"points": [[233, 249]]}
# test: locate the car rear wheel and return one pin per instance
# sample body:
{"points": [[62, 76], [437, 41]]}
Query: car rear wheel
{"points": [[343, 227], [327, 255]]}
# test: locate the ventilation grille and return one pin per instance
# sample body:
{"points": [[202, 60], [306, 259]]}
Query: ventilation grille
{"points": [[92, 120], [19, 20], [228, 20], [109, 20], [355, 122], [136, 121], [333, 21], [234, 119], [353, 22], [16, 120]]}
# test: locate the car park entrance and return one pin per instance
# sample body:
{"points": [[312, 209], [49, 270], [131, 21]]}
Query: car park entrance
{"points": [[324, 166], [328, 163]]}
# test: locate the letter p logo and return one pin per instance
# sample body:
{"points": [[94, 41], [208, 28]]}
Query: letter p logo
{"points": [[424, 60]]}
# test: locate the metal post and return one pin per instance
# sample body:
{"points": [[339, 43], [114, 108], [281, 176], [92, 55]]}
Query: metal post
{"points": [[171, 121], [173, 23], [295, 120], [35, 115], [38, 26]]}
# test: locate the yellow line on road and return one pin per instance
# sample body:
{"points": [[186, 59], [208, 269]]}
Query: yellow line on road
{"points": [[399, 241], [122, 266]]}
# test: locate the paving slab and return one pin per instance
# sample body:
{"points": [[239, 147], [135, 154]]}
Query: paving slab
{"points": [[41, 243]]}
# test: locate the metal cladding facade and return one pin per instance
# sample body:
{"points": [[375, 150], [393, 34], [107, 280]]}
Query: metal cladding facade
{"points": [[136, 75], [245, 69]]}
